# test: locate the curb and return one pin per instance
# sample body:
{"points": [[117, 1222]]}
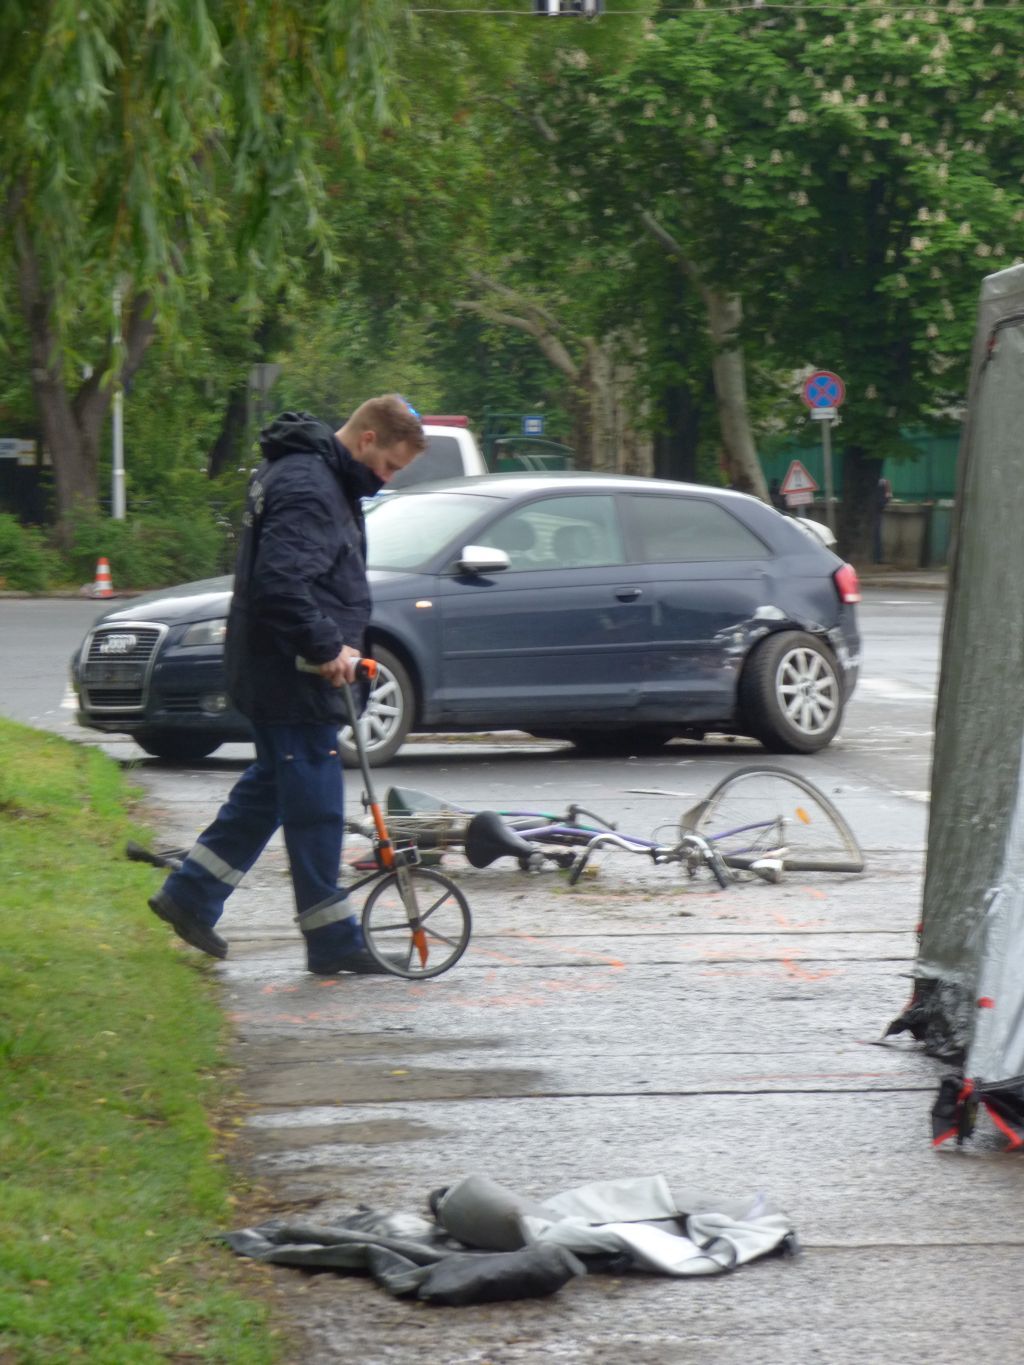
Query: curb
{"points": [[69, 595]]}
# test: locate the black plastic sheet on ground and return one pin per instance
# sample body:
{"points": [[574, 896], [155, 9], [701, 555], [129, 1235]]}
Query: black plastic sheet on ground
{"points": [[485, 1243]]}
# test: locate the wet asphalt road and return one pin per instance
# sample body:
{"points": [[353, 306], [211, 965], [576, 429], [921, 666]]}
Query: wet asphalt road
{"points": [[641, 1024]]}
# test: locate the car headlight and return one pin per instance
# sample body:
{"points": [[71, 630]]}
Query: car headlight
{"points": [[206, 633]]}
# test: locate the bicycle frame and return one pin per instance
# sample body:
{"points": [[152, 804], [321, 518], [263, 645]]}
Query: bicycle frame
{"points": [[801, 830]]}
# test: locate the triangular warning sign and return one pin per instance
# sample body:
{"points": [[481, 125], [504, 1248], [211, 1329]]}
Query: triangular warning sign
{"points": [[798, 480]]}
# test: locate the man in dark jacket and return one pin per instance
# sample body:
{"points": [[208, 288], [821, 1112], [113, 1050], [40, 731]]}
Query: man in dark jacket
{"points": [[300, 594]]}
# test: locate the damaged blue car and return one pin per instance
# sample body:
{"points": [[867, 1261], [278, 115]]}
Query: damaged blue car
{"points": [[613, 612]]}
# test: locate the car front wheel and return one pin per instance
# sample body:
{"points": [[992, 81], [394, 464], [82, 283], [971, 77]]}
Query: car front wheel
{"points": [[388, 715], [791, 694]]}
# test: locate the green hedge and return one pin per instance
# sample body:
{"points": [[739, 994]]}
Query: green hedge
{"points": [[27, 564], [150, 551], [144, 552]]}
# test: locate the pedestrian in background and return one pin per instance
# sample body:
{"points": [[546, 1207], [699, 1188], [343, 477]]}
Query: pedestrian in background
{"points": [[300, 592], [883, 497]]}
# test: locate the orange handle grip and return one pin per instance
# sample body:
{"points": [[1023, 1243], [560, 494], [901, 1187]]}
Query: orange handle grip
{"points": [[366, 669]]}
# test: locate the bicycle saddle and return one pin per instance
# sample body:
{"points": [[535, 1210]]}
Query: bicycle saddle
{"points": [[488, 838]]}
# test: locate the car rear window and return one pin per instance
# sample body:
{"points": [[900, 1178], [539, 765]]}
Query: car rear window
{"points": [[684, 530], [405, 532]]}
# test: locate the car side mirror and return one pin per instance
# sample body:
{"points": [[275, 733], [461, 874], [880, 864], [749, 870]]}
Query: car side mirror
{"points": [[481, 559]]}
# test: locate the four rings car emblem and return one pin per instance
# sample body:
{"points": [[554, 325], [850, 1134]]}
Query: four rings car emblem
{"points": [[117, 644]]}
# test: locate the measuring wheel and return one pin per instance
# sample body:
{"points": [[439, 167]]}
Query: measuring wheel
{"points": [[416, 922]]}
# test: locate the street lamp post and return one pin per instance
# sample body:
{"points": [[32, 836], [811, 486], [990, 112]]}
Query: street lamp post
{"points": [[117, 500]]}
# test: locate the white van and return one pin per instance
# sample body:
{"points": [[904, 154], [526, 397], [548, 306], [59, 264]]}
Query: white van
{"points": [[451, 453]]}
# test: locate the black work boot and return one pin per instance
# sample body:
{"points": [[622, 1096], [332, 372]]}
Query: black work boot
{"points": [[334, 941], [187, 925]]}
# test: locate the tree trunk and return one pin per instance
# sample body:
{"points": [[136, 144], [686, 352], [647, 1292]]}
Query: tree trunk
{"points": [[72, 426], [675, 450], [739, 454], [855, 528], [604, 437], [227, 449], [728, 368], [618, 446]]}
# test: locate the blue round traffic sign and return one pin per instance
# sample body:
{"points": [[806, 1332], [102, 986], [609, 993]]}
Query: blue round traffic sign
{"points": [[823, 389]]}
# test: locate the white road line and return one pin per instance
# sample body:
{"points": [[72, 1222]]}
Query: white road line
{"points": [[891, 689]]}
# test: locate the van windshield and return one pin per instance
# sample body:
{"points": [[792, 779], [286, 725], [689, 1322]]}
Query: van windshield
{"points": [[405, 532]]}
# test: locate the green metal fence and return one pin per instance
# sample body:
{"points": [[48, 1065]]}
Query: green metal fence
{"points": [[928, 478]]}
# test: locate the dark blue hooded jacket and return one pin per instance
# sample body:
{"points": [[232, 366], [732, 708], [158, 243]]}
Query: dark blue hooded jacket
{"points": [[300, 576]]}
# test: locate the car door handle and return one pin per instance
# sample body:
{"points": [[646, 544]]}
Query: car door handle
{"points": [[628, 594]]}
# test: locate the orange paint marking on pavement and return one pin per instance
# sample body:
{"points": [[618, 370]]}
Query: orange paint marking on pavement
{"points": [[789, 963], [798, 925]]}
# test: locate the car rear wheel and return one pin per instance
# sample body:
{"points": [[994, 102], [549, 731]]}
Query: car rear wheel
{"points": [[389, 713], [791, 694], [177, 747]]}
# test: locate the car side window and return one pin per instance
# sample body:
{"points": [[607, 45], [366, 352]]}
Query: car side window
{"points": [[559, 533], [686, 530]]}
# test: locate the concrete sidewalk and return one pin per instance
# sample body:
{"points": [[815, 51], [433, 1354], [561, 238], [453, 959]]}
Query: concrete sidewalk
{"points": [[642, 1024]]}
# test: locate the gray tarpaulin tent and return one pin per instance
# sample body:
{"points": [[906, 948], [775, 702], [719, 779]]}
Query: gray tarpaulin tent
{"points": [[968, 1001]]}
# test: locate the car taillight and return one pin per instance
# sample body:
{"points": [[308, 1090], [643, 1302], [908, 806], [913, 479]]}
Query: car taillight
{"points": [[847, 583]]}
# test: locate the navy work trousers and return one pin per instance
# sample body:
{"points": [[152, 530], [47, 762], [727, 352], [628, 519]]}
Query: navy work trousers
{"points": [[296, 782]]}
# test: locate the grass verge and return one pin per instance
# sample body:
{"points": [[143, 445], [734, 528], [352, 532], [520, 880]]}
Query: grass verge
{"points": [[111, 1058]]}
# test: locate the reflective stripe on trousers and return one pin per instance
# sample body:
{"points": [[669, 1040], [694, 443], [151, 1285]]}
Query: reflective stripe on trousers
{"points": [[295, 782]]}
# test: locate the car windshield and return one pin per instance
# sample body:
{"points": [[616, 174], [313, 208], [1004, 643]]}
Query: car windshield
{"points": [[405, 532]]}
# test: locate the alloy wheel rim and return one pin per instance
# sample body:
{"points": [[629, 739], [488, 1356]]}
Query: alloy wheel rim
{"points": [[383, 713], [808, 691]]}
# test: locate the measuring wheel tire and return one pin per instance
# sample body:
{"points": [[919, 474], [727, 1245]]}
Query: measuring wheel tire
{"points": [[445, 919], [791, 694], [389, 713]]}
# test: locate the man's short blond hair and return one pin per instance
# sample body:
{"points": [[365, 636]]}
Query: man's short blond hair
{"points": [[394, 421]]}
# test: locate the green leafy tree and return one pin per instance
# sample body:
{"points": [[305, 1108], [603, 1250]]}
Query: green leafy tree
{"points": [[146, 144], [833, 182]]}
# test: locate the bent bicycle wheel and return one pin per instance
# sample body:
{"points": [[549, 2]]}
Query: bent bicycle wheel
{"points": [[418, 932], [759, 809]]}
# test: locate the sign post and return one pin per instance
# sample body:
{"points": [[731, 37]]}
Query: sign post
{"points": [[823, 392]]}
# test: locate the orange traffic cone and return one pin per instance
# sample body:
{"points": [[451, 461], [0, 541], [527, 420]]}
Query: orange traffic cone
{"points": [[102, 586]]}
